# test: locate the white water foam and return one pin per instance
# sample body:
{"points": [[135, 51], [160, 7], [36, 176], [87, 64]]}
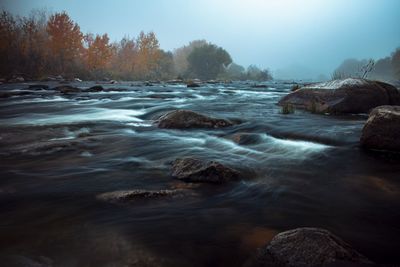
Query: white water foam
{"points": [[84, 115]]}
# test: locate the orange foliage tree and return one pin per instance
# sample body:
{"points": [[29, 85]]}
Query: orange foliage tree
{"points": [[124, 61], [8, 42], [65, 41], [33, 44], [98, 53], [148, 54]]}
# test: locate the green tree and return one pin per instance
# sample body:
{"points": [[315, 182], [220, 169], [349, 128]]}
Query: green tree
{"points": [[165, 66], [181, 55], [208, 61], [396, 63], [234, 72], [257, 74]]}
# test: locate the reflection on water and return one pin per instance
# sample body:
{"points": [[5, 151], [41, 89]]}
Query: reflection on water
{"points": [[58, 152]]}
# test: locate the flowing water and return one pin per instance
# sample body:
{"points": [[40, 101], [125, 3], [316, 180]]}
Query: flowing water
{"points": [[58, 152]]}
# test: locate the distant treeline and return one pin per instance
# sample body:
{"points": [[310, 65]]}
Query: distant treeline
{"points": [[386, 69], [43, 45]]}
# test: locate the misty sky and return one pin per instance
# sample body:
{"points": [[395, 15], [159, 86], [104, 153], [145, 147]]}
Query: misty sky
{"points": [[303, 37]]}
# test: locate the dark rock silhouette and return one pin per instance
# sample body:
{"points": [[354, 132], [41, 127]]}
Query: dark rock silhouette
{"points": [[195, 170], [382, 130], [307, 247], [184, 119]]}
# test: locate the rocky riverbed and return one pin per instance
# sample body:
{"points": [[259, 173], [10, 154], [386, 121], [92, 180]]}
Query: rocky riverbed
{"points": [[99, 175]]}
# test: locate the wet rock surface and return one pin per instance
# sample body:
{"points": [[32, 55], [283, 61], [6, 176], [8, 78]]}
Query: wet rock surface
{"points": [[245, 138], [198, 171], [343, 96], [193, 85], [382, 129], [24, 261], [140, 194], [38, 87], [308, 247], [96, 88], [185, 119], [67, 89]]}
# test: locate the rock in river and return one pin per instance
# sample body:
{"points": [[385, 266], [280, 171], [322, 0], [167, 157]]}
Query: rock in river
{"points": [[66, 89], [198, 171], [343, 96], [382, 130], [96, 88], [245, 138], [139, 194], [192, 85], [184, 119], [308, 247], [38, 87]]}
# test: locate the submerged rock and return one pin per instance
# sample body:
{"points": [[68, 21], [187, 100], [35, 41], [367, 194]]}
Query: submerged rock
{"points": [[139, 194], [24, 261], [382, 130], [193, 85], [259, 86], [184, 119], [66, 89], [175, 81], [307, 247], [17, 79], [13, 93], [96, 88], [38, 87], [198, 171], [245, 138], [343, 96]]}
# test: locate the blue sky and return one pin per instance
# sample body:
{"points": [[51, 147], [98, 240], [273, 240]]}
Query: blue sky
{"points": [[305, 36]]}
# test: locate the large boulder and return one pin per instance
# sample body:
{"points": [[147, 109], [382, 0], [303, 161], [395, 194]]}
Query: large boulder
{"points": [[308, 247], [198, 171], [343, 96], [184, 119], [382, 130]]}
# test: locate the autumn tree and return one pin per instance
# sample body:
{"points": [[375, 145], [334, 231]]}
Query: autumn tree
{"points": [[148, 54], [40, 45], [8, 43], [207, 61], [124, 60], [33, 44], [65, 41], [98, 53]]}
